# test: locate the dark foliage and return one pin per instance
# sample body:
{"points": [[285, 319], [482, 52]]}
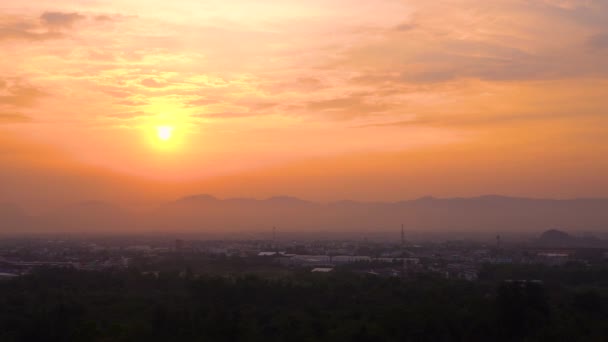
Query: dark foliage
{"points": [[64, 305]]}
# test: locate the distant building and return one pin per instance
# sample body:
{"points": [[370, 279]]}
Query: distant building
{"points": [[553, 257], [384, 273], [524, 282], [348, 259], [266, 254], [139, 248], [179, 245], [462, 271], [309, 260], [7, 276], [405, 261]]}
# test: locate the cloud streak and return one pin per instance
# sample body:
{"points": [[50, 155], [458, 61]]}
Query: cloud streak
{"points": [[60, 20], [16, 93], [598, 41], [49, 26], [14, 118]]}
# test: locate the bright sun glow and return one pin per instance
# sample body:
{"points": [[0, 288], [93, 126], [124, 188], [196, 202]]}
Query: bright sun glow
{"points": [[164, 132]]}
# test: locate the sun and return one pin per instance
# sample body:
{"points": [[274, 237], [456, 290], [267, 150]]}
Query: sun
{"points": [[164, 132]]}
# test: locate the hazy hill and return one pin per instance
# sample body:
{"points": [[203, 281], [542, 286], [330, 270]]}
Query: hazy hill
{"points": [[554, 238], [83, 217], [12, 218], [207, 213]]}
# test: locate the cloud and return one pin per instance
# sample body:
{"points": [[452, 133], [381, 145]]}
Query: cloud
{"points": [[399, 60], [56, 20], [556, 108], [475, 120], [225, 115], [246, 108], [133, 102], [118, 92], [598, 41], [103, 18], [568, 4], [405, 27], [304, 84], [49, 26], [153, 83], [13, 118], [347, 107], [18, 94], [477, 40], [109, 18], [308, 83], [127, 115], [261, 105], [11, 30], [202, 101]]}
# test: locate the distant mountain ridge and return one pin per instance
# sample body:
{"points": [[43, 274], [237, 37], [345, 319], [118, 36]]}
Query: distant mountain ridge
{"points": [[555, 238], [203, 212]]}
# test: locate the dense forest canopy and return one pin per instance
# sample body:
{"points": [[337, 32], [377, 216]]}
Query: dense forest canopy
{"points": [[68, 305]]}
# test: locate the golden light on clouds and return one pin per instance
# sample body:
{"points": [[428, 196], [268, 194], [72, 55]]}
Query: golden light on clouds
{"points": [[223, 87]]}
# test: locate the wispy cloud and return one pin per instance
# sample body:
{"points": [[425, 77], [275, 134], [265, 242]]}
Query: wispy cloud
{"points": [[598, 41], [50, 25], [19, 94], [14, 118], [60, 20]]}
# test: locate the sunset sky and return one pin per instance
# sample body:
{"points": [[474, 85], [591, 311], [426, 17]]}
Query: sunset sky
{"points": [[322, 99]]}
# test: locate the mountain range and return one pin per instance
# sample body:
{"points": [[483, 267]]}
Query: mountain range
{"points": [[206, 213]]}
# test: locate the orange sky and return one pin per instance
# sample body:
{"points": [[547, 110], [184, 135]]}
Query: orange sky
{"points": [[324, 99]]}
